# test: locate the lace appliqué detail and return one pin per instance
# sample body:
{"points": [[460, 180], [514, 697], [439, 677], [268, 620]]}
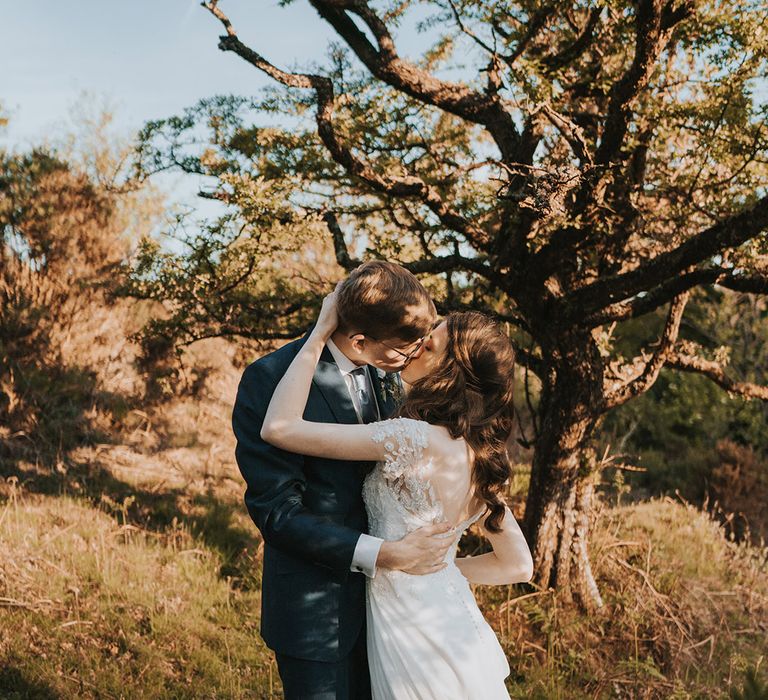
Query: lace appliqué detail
{"points": [[404, 465]]}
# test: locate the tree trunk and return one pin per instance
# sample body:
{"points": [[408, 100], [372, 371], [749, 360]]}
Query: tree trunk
{"points": [[563, 476]]}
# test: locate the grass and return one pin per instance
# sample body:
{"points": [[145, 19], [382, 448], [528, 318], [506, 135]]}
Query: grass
{"points": [[685, 616], [93, 607], [96, 606]]}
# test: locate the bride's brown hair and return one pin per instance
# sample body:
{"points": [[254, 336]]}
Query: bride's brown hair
{"points": [[470, 393]]}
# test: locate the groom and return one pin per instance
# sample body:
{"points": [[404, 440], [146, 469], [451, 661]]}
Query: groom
{"points": [[309, 510]]}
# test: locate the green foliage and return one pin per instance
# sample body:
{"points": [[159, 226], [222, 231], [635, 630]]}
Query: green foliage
{"points": [[673, 429], [696, 133], [754, 687], [227, 281]]}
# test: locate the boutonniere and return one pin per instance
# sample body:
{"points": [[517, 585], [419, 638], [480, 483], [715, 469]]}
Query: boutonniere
{"points": [[390, 388]]}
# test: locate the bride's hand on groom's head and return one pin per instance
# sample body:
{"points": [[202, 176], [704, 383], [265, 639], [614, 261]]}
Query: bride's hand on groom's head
{"points": [[328, 320]]}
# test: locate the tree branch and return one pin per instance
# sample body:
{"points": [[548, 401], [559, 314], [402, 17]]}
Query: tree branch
{"points": [[728, 233], [750, 284], [489, 49], [518, 321], [641, 305], [446, 263], [534, 25], [232, 43], [409, 186], [715, 372], [516, 223], [384, 62], [641, 383], [528, 360], [655, 21], [571, 132], [570, 53], [437, 264], [339, 244]]}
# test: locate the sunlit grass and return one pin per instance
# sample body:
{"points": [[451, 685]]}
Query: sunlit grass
{"points": [[685, 615], [95, 608]]}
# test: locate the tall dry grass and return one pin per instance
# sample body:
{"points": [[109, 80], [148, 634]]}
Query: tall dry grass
{"points": [[95, 605], [686, 612]]}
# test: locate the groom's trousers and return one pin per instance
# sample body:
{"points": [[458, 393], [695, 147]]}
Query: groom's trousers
{"points": [[347, 679]]}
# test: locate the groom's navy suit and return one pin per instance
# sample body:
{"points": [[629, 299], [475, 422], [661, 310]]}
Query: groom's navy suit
{"points": [[310, 513]]}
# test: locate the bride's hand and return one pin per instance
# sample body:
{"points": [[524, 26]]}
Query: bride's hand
{"points": [[328, 320]]}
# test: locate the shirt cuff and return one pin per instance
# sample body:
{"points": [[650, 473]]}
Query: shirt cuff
{"points": [[366, 553]]}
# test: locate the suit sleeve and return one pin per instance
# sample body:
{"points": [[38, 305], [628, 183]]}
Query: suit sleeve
{"points": [[275, 484]]}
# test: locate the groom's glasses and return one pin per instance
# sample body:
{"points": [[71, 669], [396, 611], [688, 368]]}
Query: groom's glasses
{"points": [[407, 357]]}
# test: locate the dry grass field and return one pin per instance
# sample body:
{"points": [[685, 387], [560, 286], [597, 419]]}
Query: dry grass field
{"points": [[130, 569]]}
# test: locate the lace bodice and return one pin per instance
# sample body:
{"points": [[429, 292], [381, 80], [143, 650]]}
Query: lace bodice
{"points": [[398, 494]]}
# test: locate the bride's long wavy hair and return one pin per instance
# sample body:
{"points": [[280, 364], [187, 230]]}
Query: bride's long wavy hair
{"points": [[470, 393]]}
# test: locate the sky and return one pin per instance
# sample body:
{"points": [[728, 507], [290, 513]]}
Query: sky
{"points": [[143, 59], [147, 58]]}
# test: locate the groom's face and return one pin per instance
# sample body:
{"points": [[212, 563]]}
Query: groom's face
{"points": [[390, 354]]}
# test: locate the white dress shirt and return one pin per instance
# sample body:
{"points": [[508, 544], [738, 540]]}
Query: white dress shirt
{"points": [[367, 547]]}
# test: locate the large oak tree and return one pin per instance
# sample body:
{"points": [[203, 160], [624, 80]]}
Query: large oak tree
{"points": [[568, 166]]}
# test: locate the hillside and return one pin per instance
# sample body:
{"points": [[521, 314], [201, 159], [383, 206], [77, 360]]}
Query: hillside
{"points": [[130, 569]]}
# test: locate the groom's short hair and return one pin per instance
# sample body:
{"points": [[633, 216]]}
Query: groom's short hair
{"points": [[385, 301]]}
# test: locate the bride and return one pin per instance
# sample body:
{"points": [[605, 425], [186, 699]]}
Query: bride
{"points": [[442, 459]]}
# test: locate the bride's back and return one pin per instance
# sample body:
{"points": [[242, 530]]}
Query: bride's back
{"points": [[425, 477], [449, 462], [425, 632]]}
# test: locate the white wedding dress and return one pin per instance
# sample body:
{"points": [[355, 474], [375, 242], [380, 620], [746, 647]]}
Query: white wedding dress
{"points": [[427, 638]]}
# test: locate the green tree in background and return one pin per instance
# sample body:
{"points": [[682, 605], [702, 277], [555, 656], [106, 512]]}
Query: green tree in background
{"points": [[572, 167], [688, 436]]}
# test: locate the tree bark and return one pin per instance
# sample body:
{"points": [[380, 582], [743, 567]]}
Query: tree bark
{"points": [[564, 471]]}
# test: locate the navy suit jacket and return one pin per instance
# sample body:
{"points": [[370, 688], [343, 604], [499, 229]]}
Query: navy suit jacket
{"points": [[309, 511]]}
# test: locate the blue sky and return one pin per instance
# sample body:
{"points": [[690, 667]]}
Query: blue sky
{"points": [[148, 58], [144, 59]]}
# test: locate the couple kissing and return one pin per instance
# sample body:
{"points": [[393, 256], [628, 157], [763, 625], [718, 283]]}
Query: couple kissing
{"points": [[368, 447]]}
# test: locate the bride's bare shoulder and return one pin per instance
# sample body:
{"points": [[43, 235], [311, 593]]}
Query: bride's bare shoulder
{"points": [[452, 452], [447, 452]]}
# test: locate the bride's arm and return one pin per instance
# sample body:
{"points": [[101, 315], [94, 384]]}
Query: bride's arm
{"points": [[284, 425], [509, 562]]}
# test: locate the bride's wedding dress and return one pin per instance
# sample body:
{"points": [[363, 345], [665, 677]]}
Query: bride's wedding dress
{"points": [[426, 635]]}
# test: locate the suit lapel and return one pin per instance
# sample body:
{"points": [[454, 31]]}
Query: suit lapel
{"points": [[328, 380]]}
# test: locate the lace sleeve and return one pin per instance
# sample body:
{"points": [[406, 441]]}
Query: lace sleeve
{"points": [[404, 466]]}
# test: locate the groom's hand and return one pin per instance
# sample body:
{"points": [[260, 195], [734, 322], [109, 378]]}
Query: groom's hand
{"points": [[420, 552]]}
